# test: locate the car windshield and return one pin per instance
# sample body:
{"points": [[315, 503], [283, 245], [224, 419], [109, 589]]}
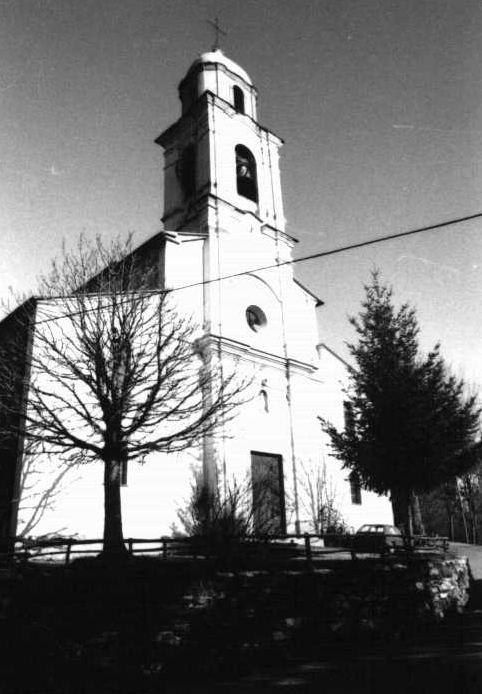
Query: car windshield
{"points": [[380, 529]]}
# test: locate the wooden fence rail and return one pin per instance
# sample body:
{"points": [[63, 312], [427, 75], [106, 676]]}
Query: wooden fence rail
{"points": [[166, 547], [307, 546]]}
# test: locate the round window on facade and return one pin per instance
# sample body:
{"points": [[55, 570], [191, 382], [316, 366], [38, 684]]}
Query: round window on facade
{"points": [[255, 318]]}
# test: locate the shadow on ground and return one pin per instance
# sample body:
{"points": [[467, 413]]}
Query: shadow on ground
{"points": [[450, 660]]}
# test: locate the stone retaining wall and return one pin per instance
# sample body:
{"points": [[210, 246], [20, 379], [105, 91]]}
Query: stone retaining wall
{"points": [[402, 597], [249, 617], [86, 621]]}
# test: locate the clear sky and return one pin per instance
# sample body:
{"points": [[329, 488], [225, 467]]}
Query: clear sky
{"points": [[379, 103]]}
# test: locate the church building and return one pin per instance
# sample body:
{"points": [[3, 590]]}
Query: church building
{"points": [[226, 252]]}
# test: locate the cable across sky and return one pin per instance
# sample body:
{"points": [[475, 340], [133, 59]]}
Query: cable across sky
{"points": [[334, 251], [312, 256]]}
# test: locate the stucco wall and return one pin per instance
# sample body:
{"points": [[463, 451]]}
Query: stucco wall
{"points": [[160, 486]]}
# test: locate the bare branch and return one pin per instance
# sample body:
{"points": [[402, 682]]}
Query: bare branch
{"points": [[105, 366]]}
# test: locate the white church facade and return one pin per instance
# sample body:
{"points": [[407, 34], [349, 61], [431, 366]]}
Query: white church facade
{"points": [[227, 254]]}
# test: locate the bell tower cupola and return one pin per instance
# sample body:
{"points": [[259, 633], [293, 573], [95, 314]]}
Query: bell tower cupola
{"points": [[214, 72], [221, 165]]}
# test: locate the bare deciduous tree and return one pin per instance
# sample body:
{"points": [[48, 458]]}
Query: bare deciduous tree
{"points": [[209, 514], [319, 498], [115, 372]]}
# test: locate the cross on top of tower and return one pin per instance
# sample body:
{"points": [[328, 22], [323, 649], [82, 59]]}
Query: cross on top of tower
{"points": [[218, 31]]}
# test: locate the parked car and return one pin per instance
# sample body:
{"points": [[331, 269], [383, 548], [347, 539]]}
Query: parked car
{"points": [[379, 539]]}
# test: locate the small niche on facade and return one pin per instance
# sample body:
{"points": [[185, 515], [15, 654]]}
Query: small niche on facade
{"points": [[263, 394]]}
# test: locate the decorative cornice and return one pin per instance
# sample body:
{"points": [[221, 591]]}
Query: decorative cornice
{"points": [[213, 66], [272, 232], [201, 200], [238, 348], [207, 95]]}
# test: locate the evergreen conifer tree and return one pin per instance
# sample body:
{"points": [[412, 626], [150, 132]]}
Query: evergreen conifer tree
{"points": [[411, 425]]}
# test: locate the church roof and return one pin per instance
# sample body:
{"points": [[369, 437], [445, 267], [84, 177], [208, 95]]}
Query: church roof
{"points": [[218, 57]]}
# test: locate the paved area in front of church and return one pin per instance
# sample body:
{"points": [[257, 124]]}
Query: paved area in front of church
{"points": [[452, 662]]}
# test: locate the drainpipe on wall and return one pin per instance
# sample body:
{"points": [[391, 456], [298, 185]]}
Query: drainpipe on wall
{"points": [[285, 351], [288, 395]]}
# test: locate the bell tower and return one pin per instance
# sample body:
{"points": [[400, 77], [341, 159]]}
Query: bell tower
{"points": [[223, 201], [221, 165]]}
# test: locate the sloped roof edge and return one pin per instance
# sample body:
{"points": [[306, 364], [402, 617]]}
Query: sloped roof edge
{"points": [[319, 301]]}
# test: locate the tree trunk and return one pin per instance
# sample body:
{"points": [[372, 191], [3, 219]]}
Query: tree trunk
{"points": [[399, 507], [451, 526], [418, 527], [466, 530], [407, 513], [464, 519], [113, 536], [402, 511], [409, 522]]}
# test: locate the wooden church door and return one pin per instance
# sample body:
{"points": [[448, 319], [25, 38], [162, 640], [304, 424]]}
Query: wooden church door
{"points": [[268, 493]]}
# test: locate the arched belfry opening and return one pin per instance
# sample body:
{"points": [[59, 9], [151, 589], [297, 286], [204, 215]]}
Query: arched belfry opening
{"points": [[238, 99], [186, 170], [246, 179], [217, 91]]}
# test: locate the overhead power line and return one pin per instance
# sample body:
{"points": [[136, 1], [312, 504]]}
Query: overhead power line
{"points": [[292, 261], [334, 251]]}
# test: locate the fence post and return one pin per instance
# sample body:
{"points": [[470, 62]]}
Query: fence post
{"points": [[67, 553], [309, 556], [130, 544], [409, 541], [164, 548]]}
